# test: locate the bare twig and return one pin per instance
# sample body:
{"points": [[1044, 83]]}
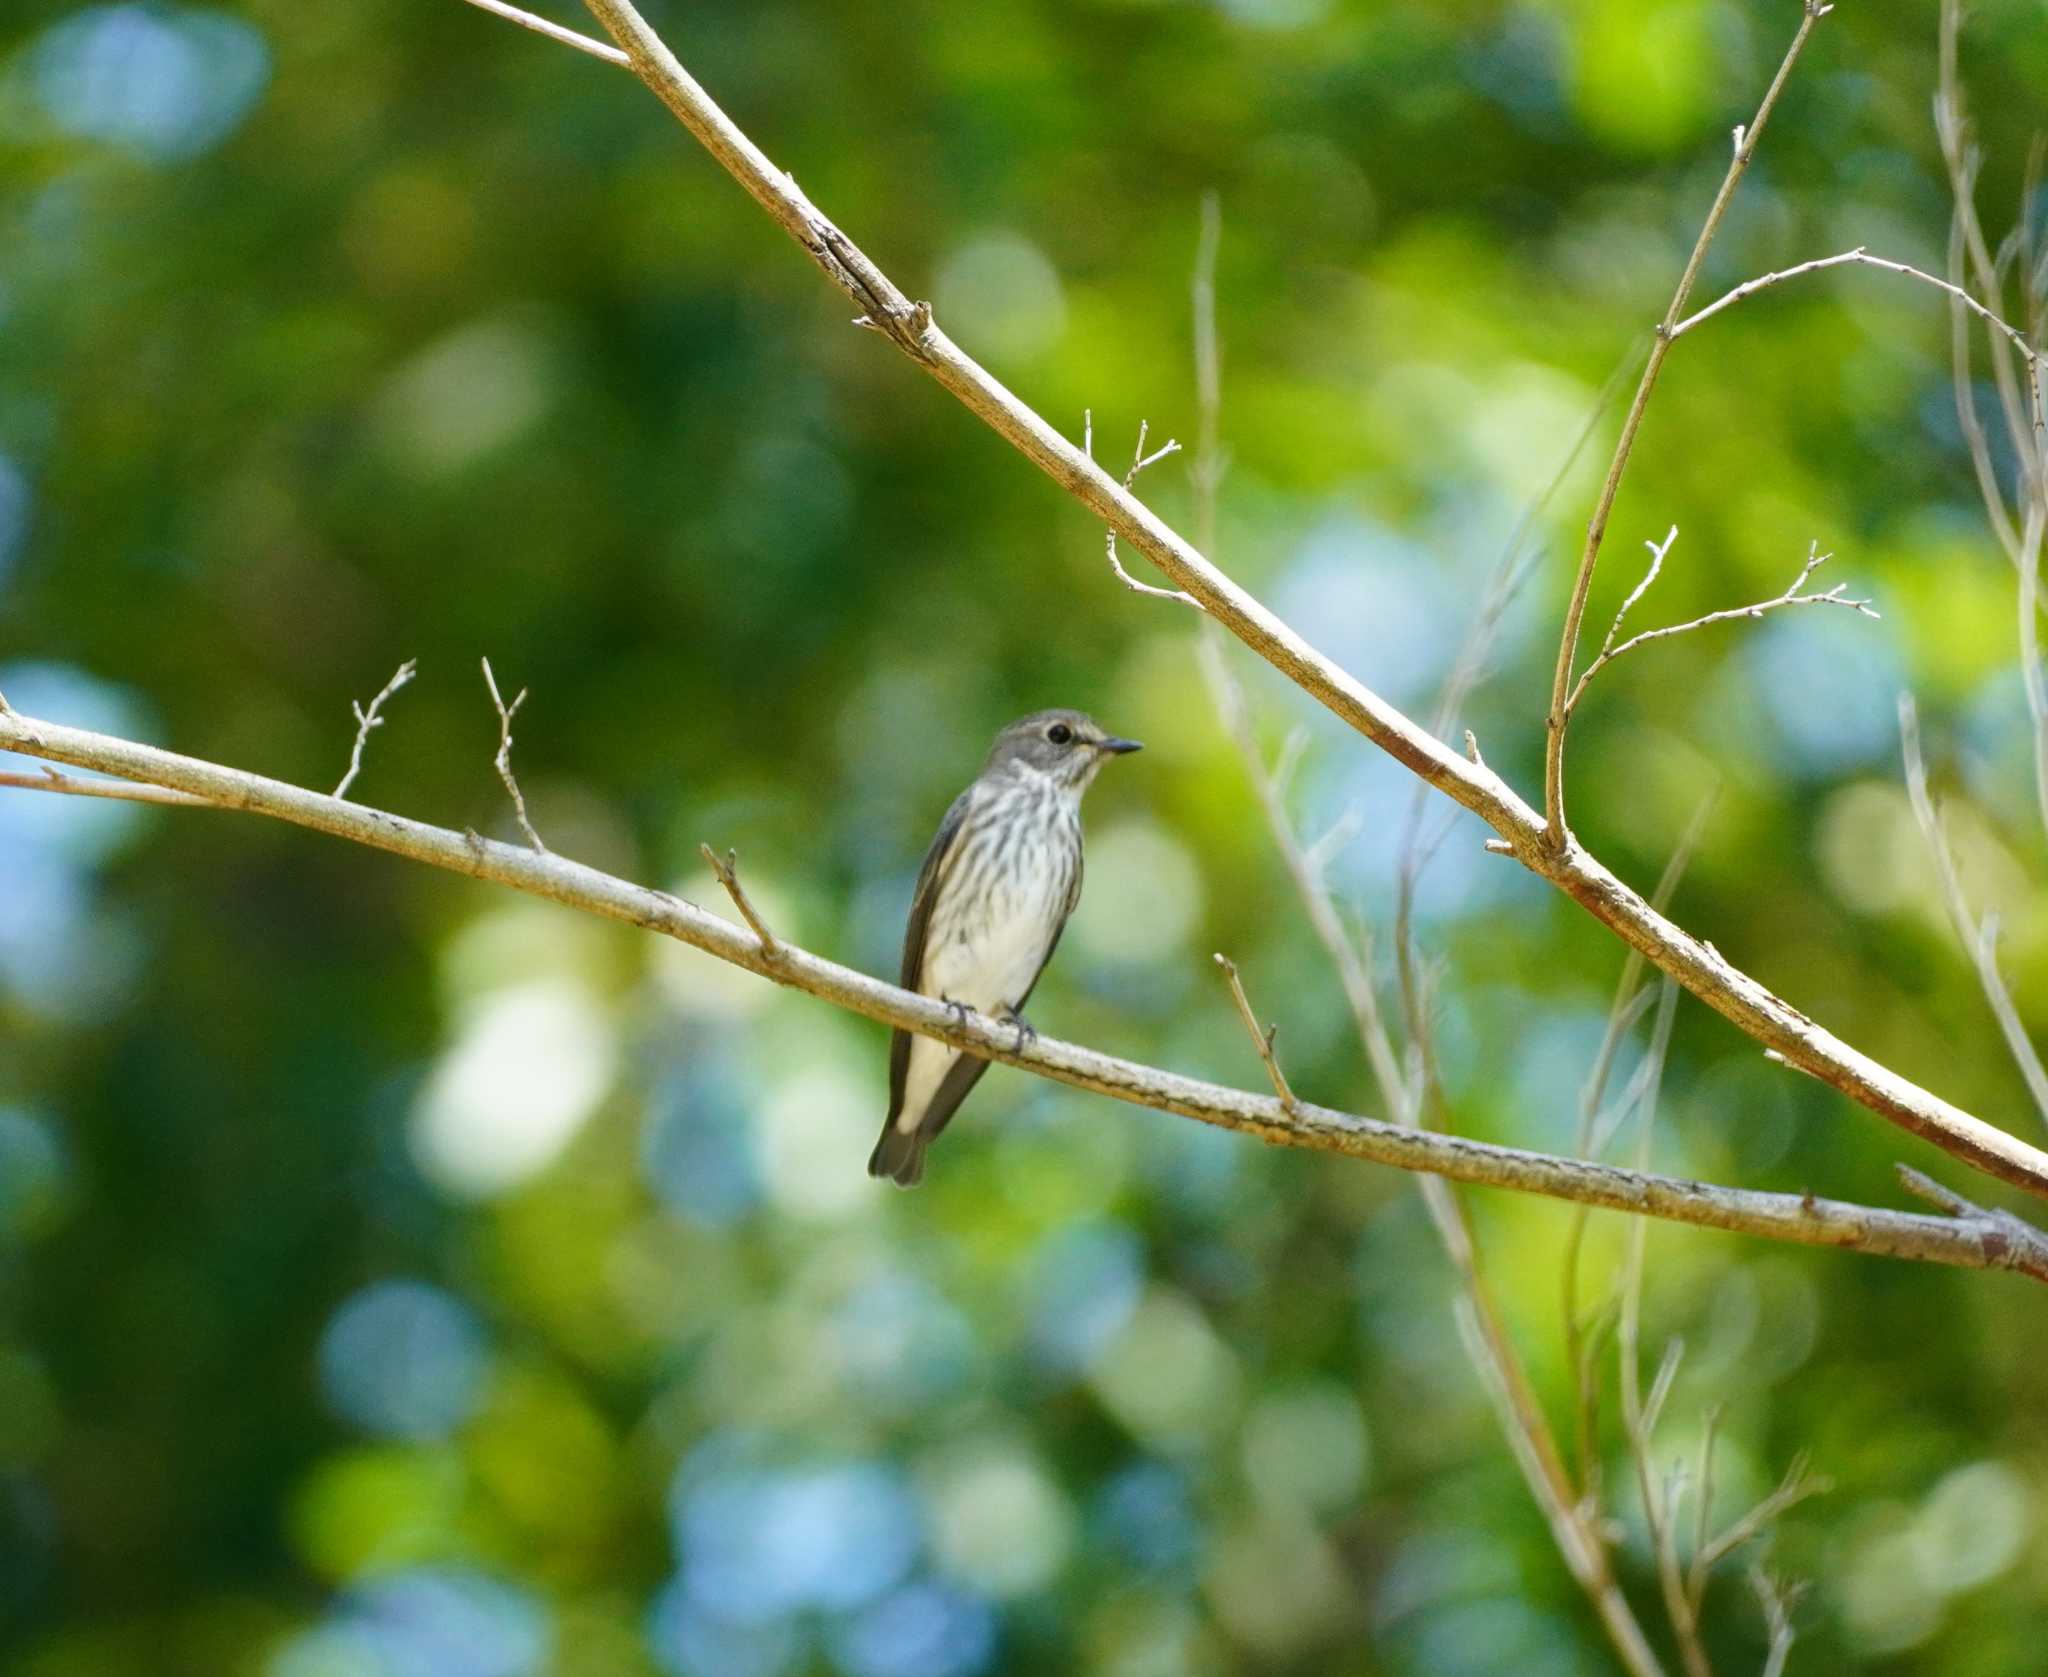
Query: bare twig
{"points": [[1777, 1599], [503, 760], [727, 868], [1639, 1414], [1861, 258], [1210, 459], [1977, 937], [1835, 596], [373, 718], [1799, 1483], [554, 32], [1139, 461], [120, 791], [1262, 1039], [1746, 138], [1972, 250], [2001, 1230]]}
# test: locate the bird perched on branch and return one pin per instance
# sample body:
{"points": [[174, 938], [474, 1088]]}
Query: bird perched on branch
{"points": [[992, 897]]}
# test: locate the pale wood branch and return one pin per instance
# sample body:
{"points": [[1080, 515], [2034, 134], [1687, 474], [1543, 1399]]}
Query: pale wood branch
{"points": [[1970, 1243]]}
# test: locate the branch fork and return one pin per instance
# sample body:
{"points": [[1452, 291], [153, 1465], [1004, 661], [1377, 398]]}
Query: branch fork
{"points": [[727, 868]]}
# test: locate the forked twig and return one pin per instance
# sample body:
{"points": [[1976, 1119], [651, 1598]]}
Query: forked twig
{"points": [[373, 718], [1559, 718], [1793, 596], [727, 868], [1139, 461], [504, 758], [2011, 1241], [1262, 1039]]}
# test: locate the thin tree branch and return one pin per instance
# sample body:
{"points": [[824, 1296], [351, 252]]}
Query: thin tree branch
{"points": [[1139, 461], [1773, 1022], [1977, 1242], [1262, 1039], [1835, 596], [1746, 138], [727, 868], [2000, 1229], [1860, 258], [554, 32], [503, 760], [1777, 1601], [1799, 1483], [1975, 936], [1640, 1415], [120, 791], [366, 720]]}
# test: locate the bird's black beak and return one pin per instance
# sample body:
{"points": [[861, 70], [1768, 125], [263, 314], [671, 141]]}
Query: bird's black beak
{"points": [[1117, 747]]}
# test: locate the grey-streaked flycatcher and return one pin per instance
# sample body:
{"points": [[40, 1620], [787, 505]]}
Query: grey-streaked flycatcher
{"points": [[992, 897]]}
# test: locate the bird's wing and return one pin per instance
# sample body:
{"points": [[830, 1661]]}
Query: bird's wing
{"points": [[921, 901]]}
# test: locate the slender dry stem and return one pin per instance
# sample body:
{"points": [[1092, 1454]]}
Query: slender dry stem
{"points": [[503, 760], [1859, 257], [372, 718], [1746, 138], [727, 868], [1977, 937], [1262, 1039]]}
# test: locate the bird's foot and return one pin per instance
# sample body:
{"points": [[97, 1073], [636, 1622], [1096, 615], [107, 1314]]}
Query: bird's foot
{"points": [[1026, 1031], [959, 1010]]}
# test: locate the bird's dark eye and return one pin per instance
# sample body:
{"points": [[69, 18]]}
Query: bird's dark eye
{"points": [[1059, 733]]}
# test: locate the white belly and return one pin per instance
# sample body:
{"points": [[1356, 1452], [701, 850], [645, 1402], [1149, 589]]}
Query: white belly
{"points": [[985, 947]]}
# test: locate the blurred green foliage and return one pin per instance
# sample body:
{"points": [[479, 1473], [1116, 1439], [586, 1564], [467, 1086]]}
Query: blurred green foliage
{"points": [[401, 1279]]}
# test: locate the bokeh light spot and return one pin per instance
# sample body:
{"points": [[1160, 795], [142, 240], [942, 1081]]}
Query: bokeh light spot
{"points": [[169, 82], [527, 1069], [402, 1359]]}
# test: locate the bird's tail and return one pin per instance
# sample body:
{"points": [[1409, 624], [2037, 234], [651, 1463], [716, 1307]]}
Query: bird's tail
{"points": [[899, 1155]]}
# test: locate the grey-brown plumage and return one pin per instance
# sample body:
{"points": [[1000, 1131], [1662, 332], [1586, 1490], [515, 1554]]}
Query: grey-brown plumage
{"points": [[997, 885]]}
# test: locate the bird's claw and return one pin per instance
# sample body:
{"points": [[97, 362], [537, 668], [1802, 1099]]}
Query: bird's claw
{"points": [[959, 1010], [1026, 1031]]}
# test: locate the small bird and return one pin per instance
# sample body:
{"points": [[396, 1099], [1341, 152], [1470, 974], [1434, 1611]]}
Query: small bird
{"points": [[991, 901]]}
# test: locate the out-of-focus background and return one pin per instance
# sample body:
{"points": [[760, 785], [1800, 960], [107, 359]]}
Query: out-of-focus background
{"points": [[402, 1279]]}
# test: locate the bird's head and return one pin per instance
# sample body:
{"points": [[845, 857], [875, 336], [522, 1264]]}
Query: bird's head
{"points": [[1063, 745]]}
